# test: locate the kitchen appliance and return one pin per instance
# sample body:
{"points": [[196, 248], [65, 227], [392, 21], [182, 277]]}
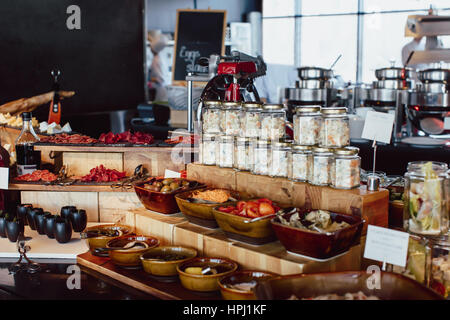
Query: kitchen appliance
{"points": [[426, 110], [314, 87]]}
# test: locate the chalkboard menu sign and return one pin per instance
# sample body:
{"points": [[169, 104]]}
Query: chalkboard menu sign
{"points": [[199, 33]]}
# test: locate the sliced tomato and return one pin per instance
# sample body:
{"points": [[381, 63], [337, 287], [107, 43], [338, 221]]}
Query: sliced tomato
{"points": [[252, 209], [226, 209], [241, 205], [266, 209], [265, 200]]}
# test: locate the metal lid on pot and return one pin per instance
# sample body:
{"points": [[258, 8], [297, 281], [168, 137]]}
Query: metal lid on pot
{"points": [[394, 73], [435, 75], [306, 73]]}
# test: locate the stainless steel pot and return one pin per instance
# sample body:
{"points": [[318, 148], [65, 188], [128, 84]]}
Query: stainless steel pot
{"points": [[392, 84], [394, 73], [314, 84], [307, 73], [434, 75]]}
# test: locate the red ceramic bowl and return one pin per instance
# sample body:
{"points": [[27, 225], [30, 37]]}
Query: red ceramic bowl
{"points": [[305, 286], [321, 246], [162, 202]]}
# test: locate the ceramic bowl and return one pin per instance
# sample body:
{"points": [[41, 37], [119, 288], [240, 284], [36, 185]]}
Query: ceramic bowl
{"points": [[202, 213], [320, 246], [208, 282], [247, 276], [155, 262], [101, 241], [243, 229], [130, 258], [305, 286], [164, 203]]}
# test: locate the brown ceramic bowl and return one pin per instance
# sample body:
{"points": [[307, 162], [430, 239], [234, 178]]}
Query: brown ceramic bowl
{"points": [[321, 246], [100, 242], [154, 264], [243, 229], [162, 202], [229, 293], [205, 283], [201, 213], [129, 258], [305, 286]]}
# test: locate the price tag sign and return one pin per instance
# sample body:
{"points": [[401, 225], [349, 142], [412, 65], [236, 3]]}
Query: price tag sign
{"points": [[447, 123], [171, 174], [4, 178], [378, 126], [386, 245]]}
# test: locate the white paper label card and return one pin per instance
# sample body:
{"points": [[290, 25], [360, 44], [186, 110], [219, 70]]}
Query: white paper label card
{"points": [[386, 245], [378, 126], [4, 178], [447, 123], [171, 174]]}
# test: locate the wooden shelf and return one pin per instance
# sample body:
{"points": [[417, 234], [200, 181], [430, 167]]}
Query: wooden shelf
{"points": [[72, 188], [112, 149]]}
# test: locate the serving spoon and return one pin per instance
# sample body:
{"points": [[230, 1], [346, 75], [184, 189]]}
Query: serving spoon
{"points": [[127, 246]]}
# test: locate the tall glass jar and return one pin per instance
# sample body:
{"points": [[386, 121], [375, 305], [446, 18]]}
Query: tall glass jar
{"points": [[263, 157], [335, 129], [322, 158], [243, 154], [251, 119], [281, 160], [231, 111], [440, 266], [273, 122], [211, 116], [226, 149], [345, 168], [301, 163], [307, 124], [208, 149], [425, 200]]}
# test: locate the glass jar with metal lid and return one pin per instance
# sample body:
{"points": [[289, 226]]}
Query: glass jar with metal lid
{"points": [[321, 165], [345, 168], [263, 157], [281, 159], [307, 124], [208, 149], [226, 149], [335, 130], [273, 122], [243, 153], [301, 163], [211, 116], [230, 114], [440, 265], [251, 119], [425, 198]]}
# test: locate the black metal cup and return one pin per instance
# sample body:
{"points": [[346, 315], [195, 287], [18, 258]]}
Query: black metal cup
{"points": [[65, 211], [3, 225], [31, 217], [49, 226], [62, 230], [39, 220], [14, 228], [22, 212], [78, 218]]}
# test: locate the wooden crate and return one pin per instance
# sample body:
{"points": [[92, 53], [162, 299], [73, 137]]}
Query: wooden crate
{"points": [[113, 206], [80, 163], [372, 206]]}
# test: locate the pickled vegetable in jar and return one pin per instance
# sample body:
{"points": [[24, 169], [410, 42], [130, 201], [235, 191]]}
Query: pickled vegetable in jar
{"points": [[440, 265], [335, 129], [211, 116], [226, 148], [307, 125], [301, 163], [251, 119], [243, 154], [281, 160], [273, 122], [230, 118], [345, 168], [322, 158], [263, 157], [425, 198], [208, 149]]}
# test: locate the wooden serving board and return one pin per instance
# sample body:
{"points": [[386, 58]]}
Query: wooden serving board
{"points": [[141, 280]]}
